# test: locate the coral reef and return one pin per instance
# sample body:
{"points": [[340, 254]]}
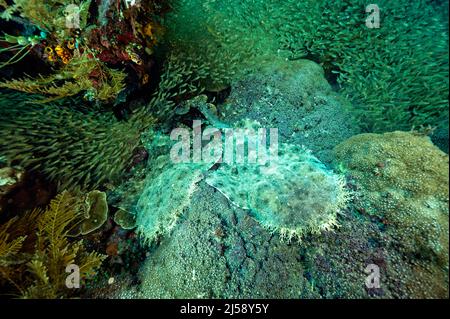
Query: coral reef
{"points": [[295, 194], [404, 180], [335, 263], [94, 120], [87, 46], [219, 251]]}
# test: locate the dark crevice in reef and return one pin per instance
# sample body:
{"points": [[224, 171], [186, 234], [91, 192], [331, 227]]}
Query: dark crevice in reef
{"points": [[32, 191], [30, 65], [218, 97]]}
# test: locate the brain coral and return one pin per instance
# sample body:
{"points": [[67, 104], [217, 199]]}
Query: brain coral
{"points": [[403, 179], [293, 194]]}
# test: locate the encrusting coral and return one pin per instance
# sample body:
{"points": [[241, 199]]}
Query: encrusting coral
{"points": [[403, 179], [95, 212], [125, 219]]}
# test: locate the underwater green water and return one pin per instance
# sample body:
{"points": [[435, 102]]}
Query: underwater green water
{"points": [[224, 149]]}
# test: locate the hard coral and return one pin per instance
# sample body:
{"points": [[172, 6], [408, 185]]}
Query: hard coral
{"points": [[403, 179], [95, 212]]}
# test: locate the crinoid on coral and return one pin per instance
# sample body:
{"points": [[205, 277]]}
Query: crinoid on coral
{"points": [[295, 194], [70, 147], [35, 250]]}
